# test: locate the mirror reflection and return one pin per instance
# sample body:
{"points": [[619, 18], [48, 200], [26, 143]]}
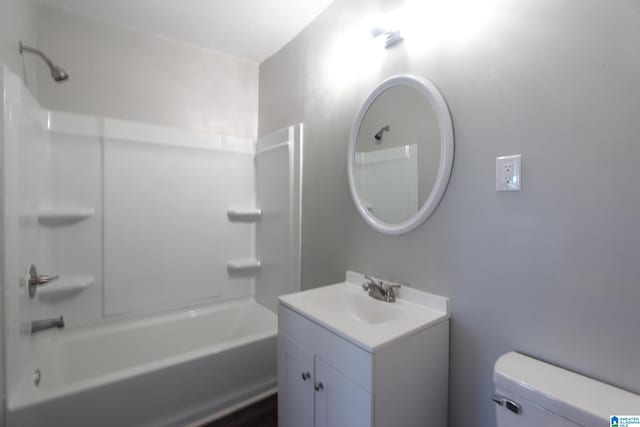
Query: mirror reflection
{"points": [[397, 154]]}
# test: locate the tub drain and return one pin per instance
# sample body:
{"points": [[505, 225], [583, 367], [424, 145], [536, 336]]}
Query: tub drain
{"points": [[37, 376]]}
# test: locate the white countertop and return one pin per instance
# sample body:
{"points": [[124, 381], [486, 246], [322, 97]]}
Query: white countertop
{"points": [[347, 310]]}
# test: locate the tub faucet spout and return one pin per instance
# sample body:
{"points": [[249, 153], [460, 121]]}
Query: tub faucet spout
{"points": [[43, 325]]}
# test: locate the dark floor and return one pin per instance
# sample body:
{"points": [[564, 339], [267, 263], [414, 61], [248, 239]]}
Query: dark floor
{"points": [[260, 414]]}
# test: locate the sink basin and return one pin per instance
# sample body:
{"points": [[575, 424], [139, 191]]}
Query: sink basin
{"points": [[361, 307], [347, 310]]}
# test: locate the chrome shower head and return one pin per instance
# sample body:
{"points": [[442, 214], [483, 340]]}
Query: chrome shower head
{"points": [[378, 136], [57, 74]]}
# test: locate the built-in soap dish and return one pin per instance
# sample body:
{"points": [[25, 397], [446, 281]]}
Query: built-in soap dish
{"points": [[64, 287], [64, 216], [243, 266], [244, 215]]}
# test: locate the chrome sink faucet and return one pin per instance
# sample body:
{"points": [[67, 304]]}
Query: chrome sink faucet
{"points": [[383, 291]]}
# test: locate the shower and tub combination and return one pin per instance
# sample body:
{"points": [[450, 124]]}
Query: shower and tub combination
{"points": [[141, 266]]}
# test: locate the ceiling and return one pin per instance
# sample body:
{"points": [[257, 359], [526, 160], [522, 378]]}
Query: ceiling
{"points": [[251, 29]]}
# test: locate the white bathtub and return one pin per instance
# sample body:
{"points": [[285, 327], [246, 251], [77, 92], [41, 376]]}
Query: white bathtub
{"points": [[167, 371]]}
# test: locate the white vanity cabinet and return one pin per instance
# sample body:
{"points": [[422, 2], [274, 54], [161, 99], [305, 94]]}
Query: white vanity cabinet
{"points": [[296, 384], [339, 401], [312, 390], [328, 378], [312, 393]]}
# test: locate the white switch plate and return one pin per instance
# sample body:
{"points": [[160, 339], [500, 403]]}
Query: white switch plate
{"points": [[509, 173]]}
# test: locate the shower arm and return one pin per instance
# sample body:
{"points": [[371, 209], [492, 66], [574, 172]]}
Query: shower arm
{"points": [[38, 52]]}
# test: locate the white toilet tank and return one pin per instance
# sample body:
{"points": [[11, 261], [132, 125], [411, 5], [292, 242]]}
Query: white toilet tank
{"points": [[531, 393]]}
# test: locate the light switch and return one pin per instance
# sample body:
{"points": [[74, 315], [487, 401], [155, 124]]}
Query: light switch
{"points": [[509, 173]]}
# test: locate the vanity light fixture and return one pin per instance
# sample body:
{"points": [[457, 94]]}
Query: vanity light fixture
{"points": [[391, 37]]}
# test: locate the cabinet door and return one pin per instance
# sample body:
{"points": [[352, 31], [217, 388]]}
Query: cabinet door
{"points": [[295, 385], [339, 401]]}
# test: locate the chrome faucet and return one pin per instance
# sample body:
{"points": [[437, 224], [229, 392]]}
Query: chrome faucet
{"points": [[383, 291], [43, 325]]}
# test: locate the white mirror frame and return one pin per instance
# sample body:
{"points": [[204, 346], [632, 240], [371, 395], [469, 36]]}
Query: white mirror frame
{"points": [[441, 111]]}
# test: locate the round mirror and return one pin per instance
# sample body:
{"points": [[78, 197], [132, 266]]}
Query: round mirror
{"points": [[400, 154]]}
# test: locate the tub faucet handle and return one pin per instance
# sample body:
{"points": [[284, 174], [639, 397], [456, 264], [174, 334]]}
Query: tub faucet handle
{"points": [[42, 279], [34, 280]]}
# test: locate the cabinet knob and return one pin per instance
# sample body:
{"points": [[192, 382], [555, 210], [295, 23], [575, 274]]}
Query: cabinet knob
{"points": [[318, 386], [306, 376]]}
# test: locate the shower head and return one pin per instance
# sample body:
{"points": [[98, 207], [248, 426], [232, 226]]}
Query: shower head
{"points": [[378, 136], [57, 74]]}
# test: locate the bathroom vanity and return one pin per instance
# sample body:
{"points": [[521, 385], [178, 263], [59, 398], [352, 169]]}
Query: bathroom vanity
{"points": [[346, 359]]}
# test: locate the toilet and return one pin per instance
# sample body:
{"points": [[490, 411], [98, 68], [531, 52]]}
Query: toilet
{"points": [[531, 393]]}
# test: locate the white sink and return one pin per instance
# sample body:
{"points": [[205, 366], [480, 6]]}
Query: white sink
{"points": [[360, 307], [347, 310]]}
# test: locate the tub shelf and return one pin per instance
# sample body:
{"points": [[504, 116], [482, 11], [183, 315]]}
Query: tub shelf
{"points": [[244, 215], [64, 287], [244, 266], [64, 216]]}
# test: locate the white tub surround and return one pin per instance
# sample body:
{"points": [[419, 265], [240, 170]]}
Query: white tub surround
{"points": [[140, 208], [279, 194], [151, 231]]}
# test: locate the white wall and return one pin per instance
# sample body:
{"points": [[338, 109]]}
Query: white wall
{"points": [[551, 271], [125, 73]]}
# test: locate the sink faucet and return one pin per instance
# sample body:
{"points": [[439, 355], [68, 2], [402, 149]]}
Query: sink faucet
{"points": [[42, 325], [383, 291]]}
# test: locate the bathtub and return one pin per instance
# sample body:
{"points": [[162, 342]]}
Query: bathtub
{"points": [[170, 370]]}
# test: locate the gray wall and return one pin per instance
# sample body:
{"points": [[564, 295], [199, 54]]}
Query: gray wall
{"points": [[17, 22], [552, 271], [130, 74]]}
